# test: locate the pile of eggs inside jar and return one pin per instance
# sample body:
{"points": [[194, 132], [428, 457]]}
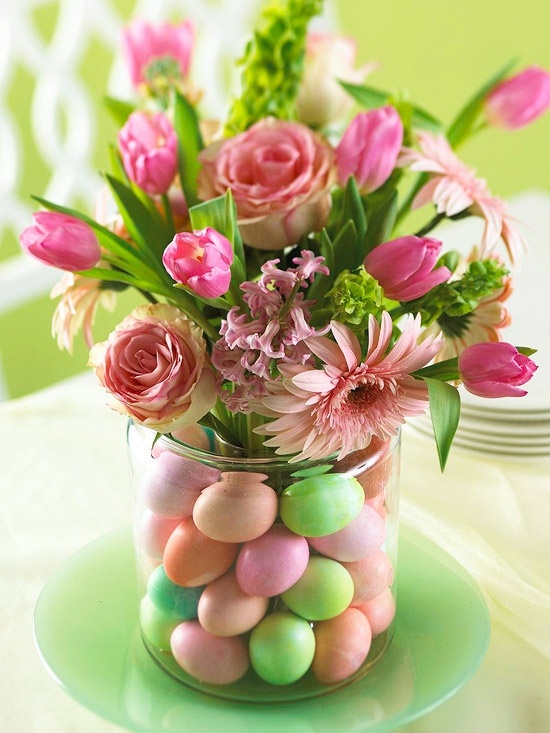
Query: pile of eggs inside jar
{"points": [[240, 577]]}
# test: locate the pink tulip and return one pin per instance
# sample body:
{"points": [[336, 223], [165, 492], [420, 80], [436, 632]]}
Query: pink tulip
{"points": [[404, 267], [201, 260], [369, 148], [143, 43], [149, 148], [519, 100], [61, 241], [495, 370]]}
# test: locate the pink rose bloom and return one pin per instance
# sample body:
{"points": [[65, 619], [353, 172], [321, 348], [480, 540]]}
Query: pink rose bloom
{"points": [[329, 57], [201, 260], [404, 267], [149, 149], [369, 148], [495, 370], [519, 100], [156, 369], [144, 43], [279, 173], [61, 241]]}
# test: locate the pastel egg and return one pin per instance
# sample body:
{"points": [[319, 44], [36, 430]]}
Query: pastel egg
{"points": [[218, 660], [153, 531], [172, 484], [238, 508], [372, 466], [156, 625], [325, 590], [321, 505], [194, 435], [226, 610], [281, 648], [341, 646], [175, 600], [370, 576], [191, 558], [360, 538], [380, 611], [272, 563]]}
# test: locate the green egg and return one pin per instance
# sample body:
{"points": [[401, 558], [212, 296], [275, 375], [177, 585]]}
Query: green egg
{"points": [[281, 648], [173, 599], [321, 505], [156, 625], [324, 591]]}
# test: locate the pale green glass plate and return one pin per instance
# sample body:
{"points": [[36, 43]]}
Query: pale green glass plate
{"points": [[86, 631]]}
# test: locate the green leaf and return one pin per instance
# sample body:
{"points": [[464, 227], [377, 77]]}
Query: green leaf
{"points": [[353, 208], [526, 350], [446, 370], [381, 223], [445, 413], [425, 121], [465, 121], [190, 143], [322, 284], [366, 96], [119, 109], [345, 247]]}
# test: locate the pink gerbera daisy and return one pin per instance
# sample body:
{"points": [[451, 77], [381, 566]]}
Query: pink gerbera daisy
{"points": [[453, 187], [340, 407]]}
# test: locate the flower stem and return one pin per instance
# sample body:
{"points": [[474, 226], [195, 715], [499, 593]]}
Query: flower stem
{"points": [[430, 225]]}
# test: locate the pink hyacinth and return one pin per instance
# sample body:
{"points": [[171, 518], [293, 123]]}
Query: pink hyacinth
{"points": [[61, 241], [404, 267], [149, 149], [454, 188], [341, 406], [201, 260], [519, 100], [495, 370], [369, 148]]}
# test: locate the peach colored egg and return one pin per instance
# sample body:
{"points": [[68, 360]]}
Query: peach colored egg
{"points": [[378, 503], [358, 539], [172, 484], [153, 531], [272, 563], [194, 435], [218, 660], [191, 558], [380, 611], [341, 646], [371, 466], [370, 576], [226, 610], [238, 508]]}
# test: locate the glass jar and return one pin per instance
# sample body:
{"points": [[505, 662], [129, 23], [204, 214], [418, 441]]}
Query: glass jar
{"points": [[260, 579]]}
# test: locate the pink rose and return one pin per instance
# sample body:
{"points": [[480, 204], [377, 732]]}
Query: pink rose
{"points": [[519, 100], [156, 368], [329, 57], [404, 267], [201, 260], [369, 148], [61, 241], [149, 148], [279, 173], [495, 370], [144, 43]]}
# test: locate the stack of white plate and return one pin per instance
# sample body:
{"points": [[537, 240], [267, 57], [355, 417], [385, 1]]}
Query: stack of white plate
{"points": [[513, 426]]}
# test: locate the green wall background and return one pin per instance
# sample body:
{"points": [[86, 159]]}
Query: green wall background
{"points": [[438, 51]]}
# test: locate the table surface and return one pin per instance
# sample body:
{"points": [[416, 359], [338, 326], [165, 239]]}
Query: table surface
{"points": [[63, 483]]}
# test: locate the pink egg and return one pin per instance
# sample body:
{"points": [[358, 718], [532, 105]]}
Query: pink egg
{"points": [[358, 539], [272, 563], [378, 503], [238, 508], [371, 466], [370, 576], [190, 558], [380, 611], [153, 531], [342, 644], [173, 483], [194, 435], [218, 660], [226, 610]]}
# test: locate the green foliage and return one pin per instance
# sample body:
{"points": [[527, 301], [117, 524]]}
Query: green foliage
{"points": [[445, 414], [186, 125]]}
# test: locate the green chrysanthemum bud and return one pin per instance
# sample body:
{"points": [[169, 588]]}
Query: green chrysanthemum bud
{"points": [[354, 296]]}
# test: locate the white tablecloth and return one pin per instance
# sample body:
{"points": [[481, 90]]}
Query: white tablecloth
{"points": [[63, 483]]}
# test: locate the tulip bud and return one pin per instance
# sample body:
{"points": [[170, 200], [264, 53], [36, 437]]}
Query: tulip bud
{"points": [[61, 241], [149, 149], [369, 148], [404, 267], [495, 369], [519, 100]]}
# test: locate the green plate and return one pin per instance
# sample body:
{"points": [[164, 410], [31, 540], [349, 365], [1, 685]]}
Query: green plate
{"points": [[86, 631]]}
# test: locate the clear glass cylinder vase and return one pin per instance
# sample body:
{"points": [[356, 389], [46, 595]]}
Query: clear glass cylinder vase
{"points": [[260, 579]]}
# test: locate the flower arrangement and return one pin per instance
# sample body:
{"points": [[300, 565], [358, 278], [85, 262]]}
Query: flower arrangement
{"points": [[287, 304]]}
